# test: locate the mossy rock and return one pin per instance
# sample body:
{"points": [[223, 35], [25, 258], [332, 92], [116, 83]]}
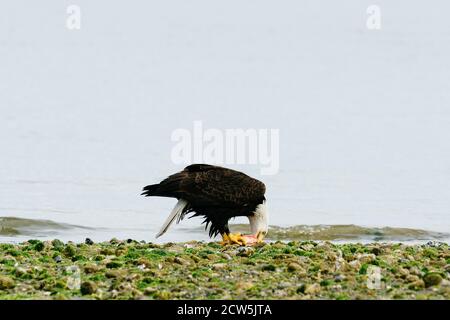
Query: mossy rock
{"points": [[6, 283], [432, 279], [70, 251], [88, 287], [39, 246], [268, 267], [57, 244], [113, 265], [285, 270]]}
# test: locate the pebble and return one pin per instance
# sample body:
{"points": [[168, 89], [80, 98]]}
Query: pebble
{"points": [[145, 262], [432, 279], [20, 271], [403, 272], [227, 256], [189, 245], [107, 251], [57, 244], [88, 287], [70, 251], [336, 287], [268, 267], [39, 246], [114, 241], [181, 261], [417, 285], [150, 291], [284, 285], [307, 247], [301, 288], [90, 268], [245, 251], [339, 278], [445, 283], [244, 285], [366, 257], [219, 266], [6, 283], [113, 274], [277, 245], [113, 264], [312, 289], [412, 278], [434, 244], [377, 251], [175, 248], [355, 264], [294, 267], [415, 271]]}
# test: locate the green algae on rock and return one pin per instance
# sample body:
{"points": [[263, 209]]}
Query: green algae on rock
{"points": [[198, 270]]}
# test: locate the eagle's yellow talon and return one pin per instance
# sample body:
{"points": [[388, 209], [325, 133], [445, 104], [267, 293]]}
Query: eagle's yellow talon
{"points": [[233, 238], [225, 240]]}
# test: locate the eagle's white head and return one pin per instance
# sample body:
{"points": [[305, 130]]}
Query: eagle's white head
{"points": [[259, 221]]}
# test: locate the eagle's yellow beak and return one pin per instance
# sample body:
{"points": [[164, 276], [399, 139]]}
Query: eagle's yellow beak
{"points": [[260, 236]]}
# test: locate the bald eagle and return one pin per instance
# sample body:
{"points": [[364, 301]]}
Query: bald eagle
{"points": [[217, 194]]}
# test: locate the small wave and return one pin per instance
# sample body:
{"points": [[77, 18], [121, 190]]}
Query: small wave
{"points": [[12, 226], [21, 228], [346, 233]]}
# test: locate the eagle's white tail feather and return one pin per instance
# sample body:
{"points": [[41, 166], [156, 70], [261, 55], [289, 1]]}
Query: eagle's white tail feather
{"points": [[174, 215]]}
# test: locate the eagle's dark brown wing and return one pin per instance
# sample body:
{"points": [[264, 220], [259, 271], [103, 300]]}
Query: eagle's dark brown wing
{"points": [[221, 186], [208, 185]]}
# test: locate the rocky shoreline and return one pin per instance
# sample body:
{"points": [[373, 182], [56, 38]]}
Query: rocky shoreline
{"points": [[197, 270]]}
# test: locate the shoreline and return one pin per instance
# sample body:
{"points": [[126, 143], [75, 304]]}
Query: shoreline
{"points": [[200, 270]]}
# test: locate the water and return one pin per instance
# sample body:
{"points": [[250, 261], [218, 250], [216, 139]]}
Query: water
{"points": [[86, 116], [19, 229]]}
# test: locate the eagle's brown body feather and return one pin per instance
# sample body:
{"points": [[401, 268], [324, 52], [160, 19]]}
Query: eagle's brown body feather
{"points": [[214, 192]]}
